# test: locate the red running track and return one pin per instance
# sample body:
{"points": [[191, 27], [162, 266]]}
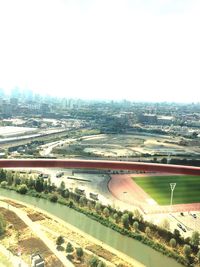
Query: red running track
{"points": [[98, 164]]}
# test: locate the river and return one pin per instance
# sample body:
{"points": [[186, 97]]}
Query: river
{"points": [[128, 246]]}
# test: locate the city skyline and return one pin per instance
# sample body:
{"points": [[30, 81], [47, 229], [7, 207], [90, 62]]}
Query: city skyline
{"points": [[139, 51]]}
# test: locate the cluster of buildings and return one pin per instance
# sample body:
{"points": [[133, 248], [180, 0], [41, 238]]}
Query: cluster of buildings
{"points": [[155, 119]]}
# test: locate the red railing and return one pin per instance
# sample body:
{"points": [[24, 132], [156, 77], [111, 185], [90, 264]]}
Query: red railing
{"points": [[98, 164]]}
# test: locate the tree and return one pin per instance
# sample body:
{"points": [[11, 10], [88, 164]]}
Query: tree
{"points": [[22, 189], [39, 185], [2, 175], [9, 178], [2, 224], [90, 205], [65, 193], [69, 248], [79, 253], [60, 240], [135, 225], [31, 182], [177, 233], [61, 188], [148, 231], [198, 256], [106, 212], [125, 220], [101, 264], [93, 262], [172, 242], [195, 239], [187, 251], [98, 207], [83, 201], [16, 178], [137, 214], [165, 224], [116, 217]]}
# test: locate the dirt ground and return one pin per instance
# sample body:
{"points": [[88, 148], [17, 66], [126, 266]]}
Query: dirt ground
{"points": [[36, 216], [101, 252], [18, 235], [13, 219]]}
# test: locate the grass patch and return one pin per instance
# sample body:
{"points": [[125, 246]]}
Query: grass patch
{"points": [[186, 191]]}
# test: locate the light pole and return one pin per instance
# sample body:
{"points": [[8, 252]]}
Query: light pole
{"points": [[172, 186]]}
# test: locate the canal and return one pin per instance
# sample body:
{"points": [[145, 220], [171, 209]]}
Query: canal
{"points": [[128, 246]]}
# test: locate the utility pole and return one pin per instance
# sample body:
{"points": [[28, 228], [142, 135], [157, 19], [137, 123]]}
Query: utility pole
{"points": [[172, 186]]}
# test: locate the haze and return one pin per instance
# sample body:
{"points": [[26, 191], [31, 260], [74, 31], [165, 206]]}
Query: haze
{"points": [[135, 50]]}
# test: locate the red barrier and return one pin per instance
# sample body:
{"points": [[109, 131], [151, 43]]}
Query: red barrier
{"points": [[98, 164]]}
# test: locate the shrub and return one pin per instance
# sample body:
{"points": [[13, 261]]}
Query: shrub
{"points": [[187, 251], [70, 257], [135, 225], [69, 248], [195, 238], [53, 198], [125, 220], [22, 189], [4, 184], [106, 212], [172, 242], [79, 253], [93, 261], [60, 240]]}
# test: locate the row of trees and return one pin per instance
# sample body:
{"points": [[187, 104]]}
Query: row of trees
{"points": [[78, 253]]}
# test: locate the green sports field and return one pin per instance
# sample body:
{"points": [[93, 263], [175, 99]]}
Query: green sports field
{"points": [[187, 188]]}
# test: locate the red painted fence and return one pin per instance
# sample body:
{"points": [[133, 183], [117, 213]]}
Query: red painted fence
{"points": [[98, 164]]}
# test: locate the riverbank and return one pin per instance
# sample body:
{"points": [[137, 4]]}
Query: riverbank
{"points": [[128, 246], [79, 237]]}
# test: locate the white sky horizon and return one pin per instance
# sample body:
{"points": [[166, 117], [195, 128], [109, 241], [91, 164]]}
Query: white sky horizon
{"points": [[107, 49]]}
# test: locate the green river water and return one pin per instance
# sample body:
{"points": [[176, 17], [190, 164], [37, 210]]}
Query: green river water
{"points": [[128, 246]]}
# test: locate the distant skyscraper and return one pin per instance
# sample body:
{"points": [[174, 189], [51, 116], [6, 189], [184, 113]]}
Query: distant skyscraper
{"points": [[15, 93]]}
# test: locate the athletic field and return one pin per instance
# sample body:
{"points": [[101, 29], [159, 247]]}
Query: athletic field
{"points": [[187, 188]]}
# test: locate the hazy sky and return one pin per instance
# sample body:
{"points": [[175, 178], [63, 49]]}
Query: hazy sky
{"points": [[138, 49]]}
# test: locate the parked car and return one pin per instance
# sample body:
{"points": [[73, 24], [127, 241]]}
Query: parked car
{"points": [[181, 227]]}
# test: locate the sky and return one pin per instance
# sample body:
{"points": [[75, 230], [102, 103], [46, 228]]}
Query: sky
{"points": [[140, 50]]}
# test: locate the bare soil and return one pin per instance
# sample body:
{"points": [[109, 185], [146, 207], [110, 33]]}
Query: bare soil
{"points": [[14, 204], [13, 219], [101, 252], [36, 216]]}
